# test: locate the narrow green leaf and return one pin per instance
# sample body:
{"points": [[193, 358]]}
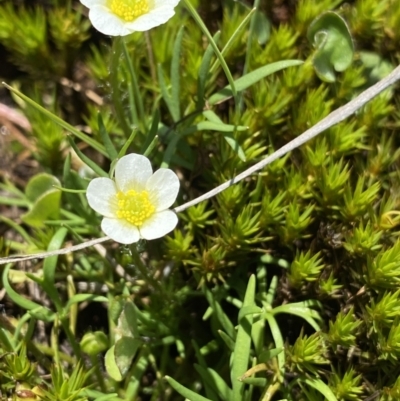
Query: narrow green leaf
{"points": [[204, 71], [256, 381], [185, 392], [267, 355], [235, 146], [232, 39], [218, 312], [69, 181], [114, 78], [105, 137], [90, 163], [20, 230], [99, 396], [278, 339], [136, 374], [175, 77], [215, 381], [209, 390], [165, 91], [213, 118], [249, 310], [151, 134], [79, 298], [220, 57], [251, 78], [85, 138], [49, 267], [132, 105], [241, 353], [40, 311], [124, 148], [169, 152], [138, 100], [211, 126], [227, 340], [320, 386], [258, 333], [309, 315], [6, 341]]}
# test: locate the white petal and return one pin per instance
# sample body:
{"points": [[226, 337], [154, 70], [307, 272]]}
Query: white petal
{"points": [[132, 172], [91, 3], [106, 22], [120, 230], [158, 225], [155, 17], [166, 3], [163, 188], [101, 195]]}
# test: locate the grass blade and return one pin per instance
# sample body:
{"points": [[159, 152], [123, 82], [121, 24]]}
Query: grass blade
{"points": [[24, 303], [105, 137], [85, 138], [241, 353], [185, 392], [90, 163], [175, 77], [204, 71], [251, 78]]}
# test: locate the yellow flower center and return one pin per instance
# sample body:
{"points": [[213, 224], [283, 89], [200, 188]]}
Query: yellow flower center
{"points": [[134, 207], [128, 10]]}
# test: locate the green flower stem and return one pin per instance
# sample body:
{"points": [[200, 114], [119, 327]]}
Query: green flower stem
{"points": [[115, 89], [144, 271], [135, 84], [152, 63], [248, 50], [99, 374], [234, 36], [54, 341], [4, 200], [70, 190], [46, 350], [220, 57]]}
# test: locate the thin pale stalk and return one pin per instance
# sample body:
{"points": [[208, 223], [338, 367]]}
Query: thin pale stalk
{"points": [[332, 119]]}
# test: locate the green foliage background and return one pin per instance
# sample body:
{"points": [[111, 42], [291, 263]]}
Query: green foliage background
{"points": [[293, 273]]}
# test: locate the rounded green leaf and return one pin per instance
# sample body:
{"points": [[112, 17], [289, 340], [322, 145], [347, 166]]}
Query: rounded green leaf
{"points": [[335, 50], [125, 350], [46, 199], [39, 184], [111, 365], [262, 27]]}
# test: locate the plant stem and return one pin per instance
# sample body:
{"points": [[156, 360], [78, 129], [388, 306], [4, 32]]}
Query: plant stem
{"points": [[220, 57], [115, 90], [144, 271]]}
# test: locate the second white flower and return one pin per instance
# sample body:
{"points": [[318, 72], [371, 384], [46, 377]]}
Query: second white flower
{"points": [[136, 204]]}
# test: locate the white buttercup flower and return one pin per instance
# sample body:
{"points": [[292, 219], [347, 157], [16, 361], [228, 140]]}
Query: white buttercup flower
{"points": [[136, 204], [122, 17]]}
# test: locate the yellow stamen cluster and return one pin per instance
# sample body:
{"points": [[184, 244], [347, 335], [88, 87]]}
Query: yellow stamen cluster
{"points": [[134, 207], [128, 10]]}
